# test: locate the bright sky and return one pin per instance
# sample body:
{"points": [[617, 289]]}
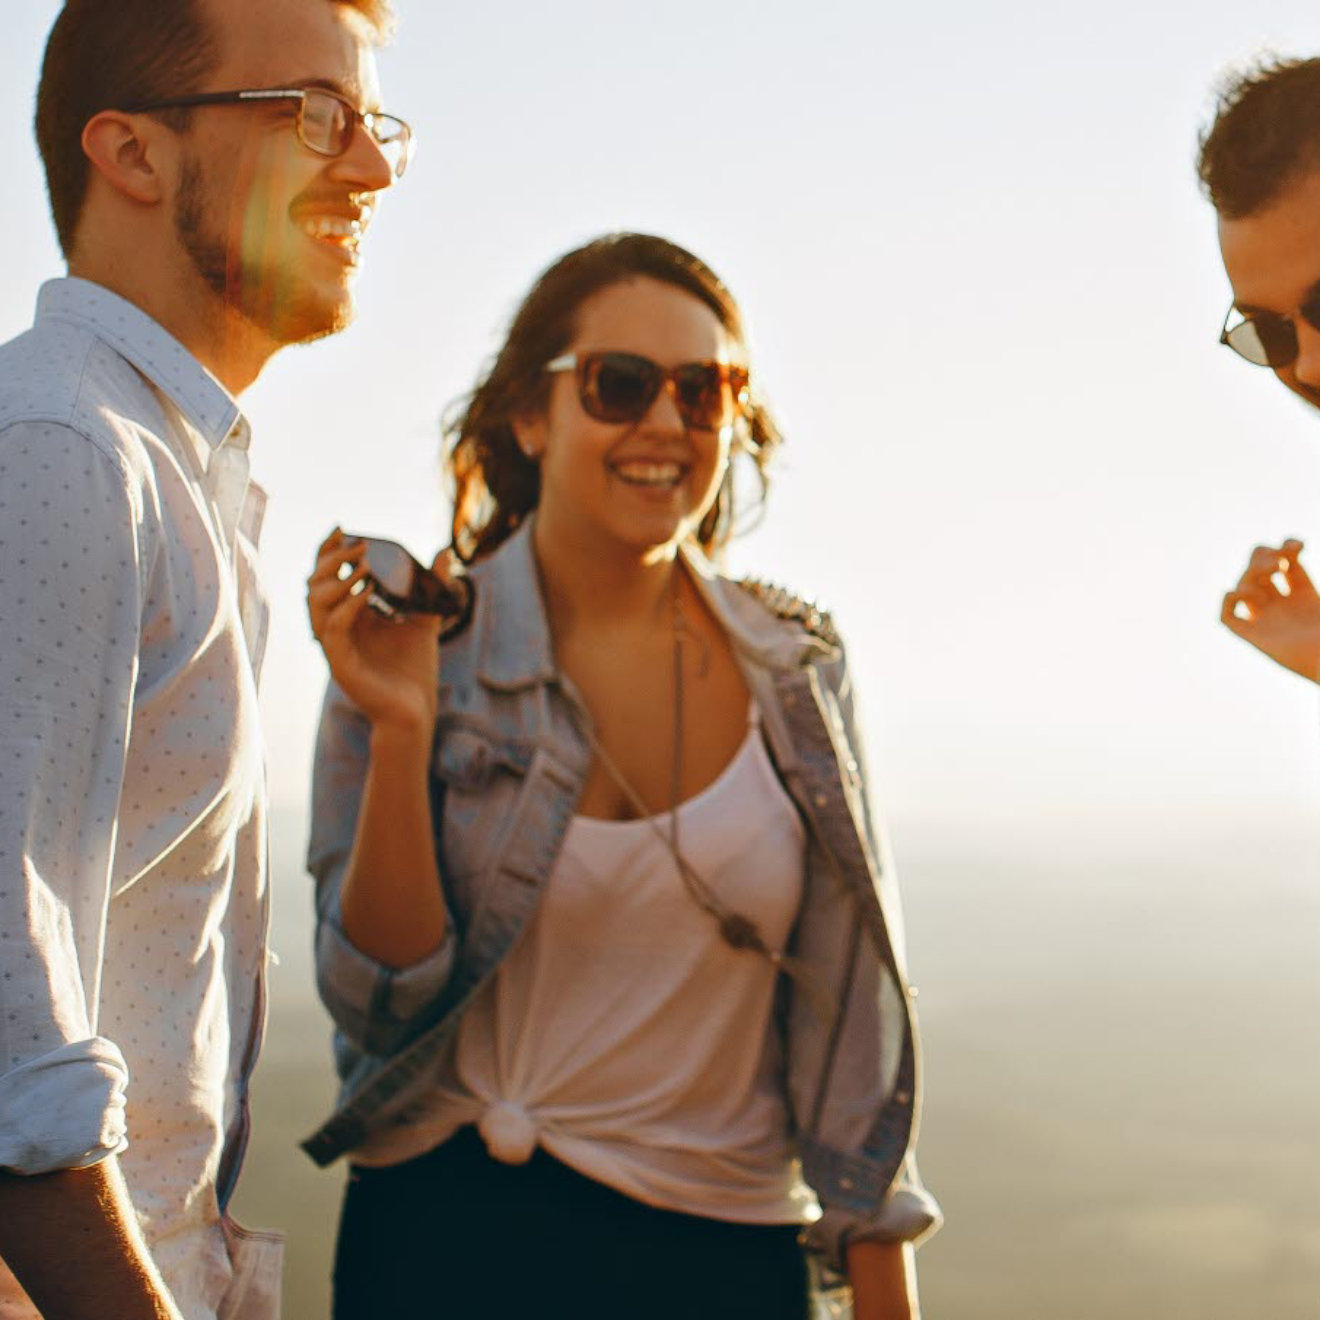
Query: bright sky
{"points": [[983, 293]]}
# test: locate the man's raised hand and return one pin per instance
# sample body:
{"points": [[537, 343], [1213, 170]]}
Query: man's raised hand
{"points": [[1276, 608]]}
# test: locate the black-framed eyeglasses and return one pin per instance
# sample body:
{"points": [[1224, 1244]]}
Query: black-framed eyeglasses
{"points": [[1269, 339], [621, 387], [326, 120]]}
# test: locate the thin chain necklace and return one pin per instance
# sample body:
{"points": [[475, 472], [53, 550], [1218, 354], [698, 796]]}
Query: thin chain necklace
{"points": [[738, 931]]}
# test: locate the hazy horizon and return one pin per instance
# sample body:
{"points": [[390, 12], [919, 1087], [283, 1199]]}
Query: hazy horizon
{"points": [[1121, 1073]]}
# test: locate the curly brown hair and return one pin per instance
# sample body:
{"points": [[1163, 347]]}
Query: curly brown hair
{"points": [[1265, 133], [493, 483], [100, 56]]}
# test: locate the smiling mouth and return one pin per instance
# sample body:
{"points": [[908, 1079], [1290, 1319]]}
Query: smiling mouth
{"points": [[650, 476], [343, 234]]}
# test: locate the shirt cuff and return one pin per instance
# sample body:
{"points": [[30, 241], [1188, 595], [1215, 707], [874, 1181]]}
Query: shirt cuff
{"points": [[64, 1110]]}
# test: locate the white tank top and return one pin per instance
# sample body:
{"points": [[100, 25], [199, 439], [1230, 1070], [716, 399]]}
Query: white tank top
{"points": [[622, 1034]]}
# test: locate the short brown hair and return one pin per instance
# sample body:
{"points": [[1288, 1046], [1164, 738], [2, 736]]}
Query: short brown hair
{"points": [[101, 55], [1265, 134], [494, 484]]}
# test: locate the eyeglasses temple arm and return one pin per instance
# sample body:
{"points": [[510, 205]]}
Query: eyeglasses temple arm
{"points": [[218, 98]]}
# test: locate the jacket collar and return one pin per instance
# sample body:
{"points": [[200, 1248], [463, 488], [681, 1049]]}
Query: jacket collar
{"points": [[763, 637], [515, 650], [513, 633]]}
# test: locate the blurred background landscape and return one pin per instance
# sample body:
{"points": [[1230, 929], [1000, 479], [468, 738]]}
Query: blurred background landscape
{"points": [[1122, 1082], [1121, 1069], [983, 294]]}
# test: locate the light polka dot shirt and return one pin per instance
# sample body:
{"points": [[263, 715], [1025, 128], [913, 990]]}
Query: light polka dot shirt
{"points": [[133, 900]]}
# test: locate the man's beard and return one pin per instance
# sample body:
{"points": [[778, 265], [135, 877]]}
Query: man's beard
{"points": [[267, 294]]}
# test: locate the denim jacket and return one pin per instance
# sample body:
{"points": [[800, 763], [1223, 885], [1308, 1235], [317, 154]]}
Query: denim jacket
{"points": [[510, 759]]}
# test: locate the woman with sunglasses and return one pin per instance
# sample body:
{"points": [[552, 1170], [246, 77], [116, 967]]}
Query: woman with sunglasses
{"points": [[602, 920]]}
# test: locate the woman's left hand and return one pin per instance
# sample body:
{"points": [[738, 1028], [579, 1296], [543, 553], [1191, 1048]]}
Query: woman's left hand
{"points": [[883, 1276]]}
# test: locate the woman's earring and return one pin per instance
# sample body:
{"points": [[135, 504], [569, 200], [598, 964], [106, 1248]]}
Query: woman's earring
{"points": [[528, 437]]}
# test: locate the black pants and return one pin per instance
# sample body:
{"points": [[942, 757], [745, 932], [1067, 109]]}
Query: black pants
{"points": [[457, 1234]]}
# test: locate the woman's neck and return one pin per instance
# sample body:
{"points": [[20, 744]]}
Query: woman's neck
{"points": [[586, 586]]}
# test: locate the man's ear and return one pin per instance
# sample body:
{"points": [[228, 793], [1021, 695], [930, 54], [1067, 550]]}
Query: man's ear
{"points": [[123, 151]]}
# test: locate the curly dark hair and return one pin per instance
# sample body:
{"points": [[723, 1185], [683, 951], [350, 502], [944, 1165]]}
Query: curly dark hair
{"points": [[1265, 133], [493, 483], [100, 56]]}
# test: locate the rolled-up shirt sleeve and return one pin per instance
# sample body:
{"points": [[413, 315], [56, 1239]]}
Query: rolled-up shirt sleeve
{"points": [[70, 623], [64, 1110], [377, 1008]]}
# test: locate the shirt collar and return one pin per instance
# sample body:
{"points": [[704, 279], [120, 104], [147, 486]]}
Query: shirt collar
{"points": [[147, 346]]}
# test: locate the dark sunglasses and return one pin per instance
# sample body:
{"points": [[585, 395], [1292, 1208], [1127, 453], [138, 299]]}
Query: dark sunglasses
{"points": [[400, 585], [1269, 339], [621, 387], [326, 121]]}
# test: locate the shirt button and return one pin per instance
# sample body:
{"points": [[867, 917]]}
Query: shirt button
{"points": [[846, 1184], [820, 800], [903, 1097], [790, 701]]}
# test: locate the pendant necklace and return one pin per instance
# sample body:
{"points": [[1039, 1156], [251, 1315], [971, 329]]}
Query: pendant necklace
{"points": [[737, 931]]}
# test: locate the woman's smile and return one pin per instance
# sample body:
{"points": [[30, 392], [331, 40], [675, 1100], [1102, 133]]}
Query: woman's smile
{"points": [[649, 475]]}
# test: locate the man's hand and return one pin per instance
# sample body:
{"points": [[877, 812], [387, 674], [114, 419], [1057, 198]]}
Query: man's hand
{"points": [[1276, 608], [883, 1276]]}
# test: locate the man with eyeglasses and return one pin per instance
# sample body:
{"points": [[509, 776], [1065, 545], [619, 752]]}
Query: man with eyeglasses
{"points": [[212, 168], [1260, 166]]}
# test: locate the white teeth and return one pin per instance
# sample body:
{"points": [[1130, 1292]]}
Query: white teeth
{"points": [[649, 474], [332, 226]]}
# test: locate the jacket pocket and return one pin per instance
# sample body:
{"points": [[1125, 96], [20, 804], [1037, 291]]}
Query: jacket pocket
{"points": [[467, 760]]}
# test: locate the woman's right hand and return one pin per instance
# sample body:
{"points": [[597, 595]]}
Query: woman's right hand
{"points": [[389, 669]]}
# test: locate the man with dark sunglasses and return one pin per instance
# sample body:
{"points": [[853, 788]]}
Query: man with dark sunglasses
{"points": [[1260, 166], [212, 168]]}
